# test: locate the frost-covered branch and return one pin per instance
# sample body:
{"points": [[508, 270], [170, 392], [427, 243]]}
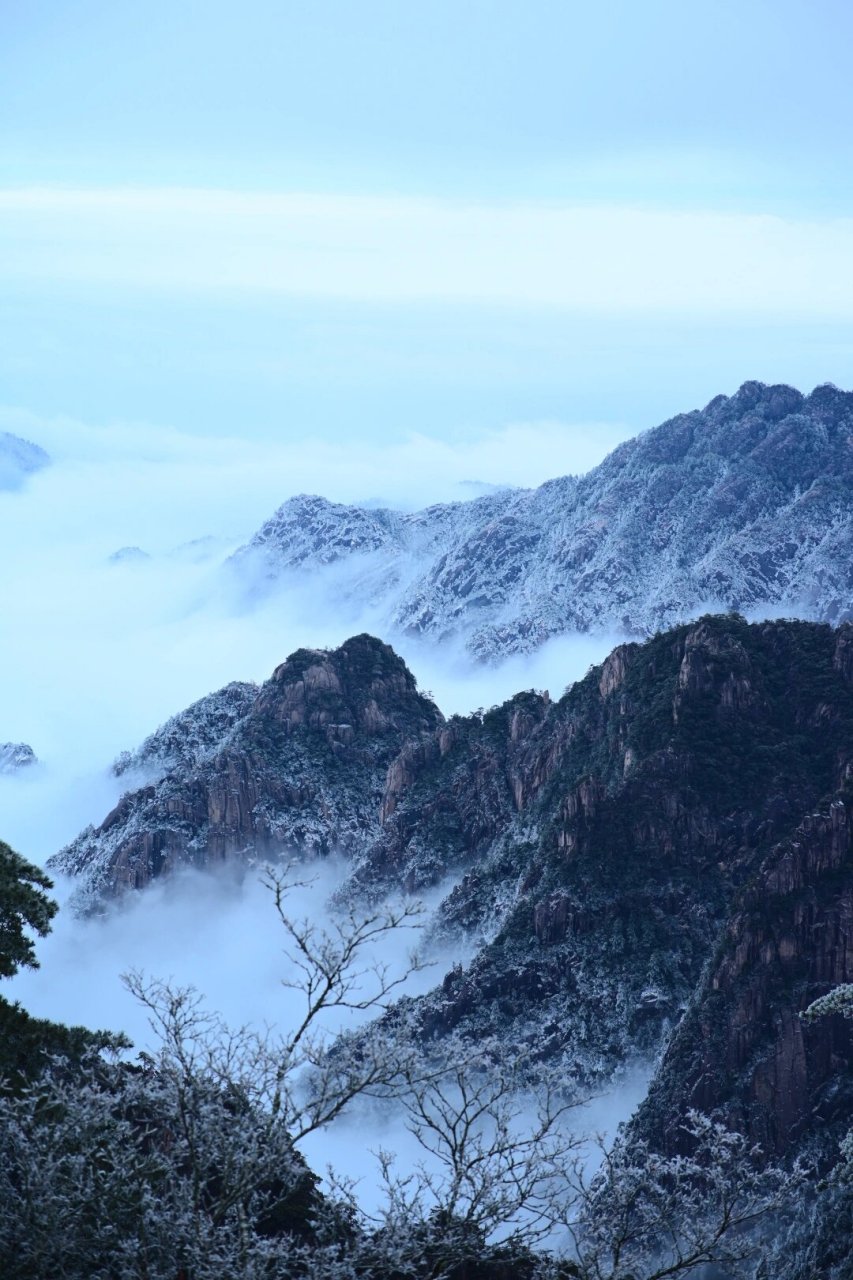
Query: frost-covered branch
{"points": [[657, 1217]]}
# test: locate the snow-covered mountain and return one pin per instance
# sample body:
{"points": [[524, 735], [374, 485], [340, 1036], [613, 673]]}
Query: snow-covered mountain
{"points": [[15, 756], [746, 504], [18, 459], [186, 739]]}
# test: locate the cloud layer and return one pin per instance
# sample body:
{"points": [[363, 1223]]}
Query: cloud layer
{"points": [[96, 653], [604, 258]]}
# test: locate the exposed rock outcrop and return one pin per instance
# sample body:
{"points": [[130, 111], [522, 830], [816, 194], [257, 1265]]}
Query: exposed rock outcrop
{"points": [[747, 503], [297, 765], [15, 756], [607, 845], [743, 1049], [599, 844]]}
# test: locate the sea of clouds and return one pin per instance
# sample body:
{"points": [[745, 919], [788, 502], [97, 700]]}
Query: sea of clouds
{"points": [[97, 651]]}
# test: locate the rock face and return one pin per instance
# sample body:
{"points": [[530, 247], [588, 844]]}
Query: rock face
{"points": [[743, 1049], [15, 756], [613, 832], [597, 847], [747, 503], [18, 459], [295, 765]]}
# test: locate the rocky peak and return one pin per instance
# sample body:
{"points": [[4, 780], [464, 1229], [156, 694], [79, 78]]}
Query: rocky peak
{"points": [[15, 756], [745, 503], [362, 686], [309, 530], [295, 767], [614, 669], [18, 459]]}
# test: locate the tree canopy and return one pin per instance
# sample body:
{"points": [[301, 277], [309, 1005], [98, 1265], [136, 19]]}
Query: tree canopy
{"points": [[25, 909]]}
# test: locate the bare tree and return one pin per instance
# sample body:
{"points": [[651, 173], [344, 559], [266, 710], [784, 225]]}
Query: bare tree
{"points": [[186, 1165], [323, 1068]]}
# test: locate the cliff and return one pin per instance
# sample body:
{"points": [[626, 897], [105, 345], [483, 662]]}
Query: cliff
{"points": [[742, 1049], [297, 765], [592, 849], [629, 817]]}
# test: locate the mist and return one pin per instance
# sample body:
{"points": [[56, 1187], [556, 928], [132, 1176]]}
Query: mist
{"points": [[99, 649]]}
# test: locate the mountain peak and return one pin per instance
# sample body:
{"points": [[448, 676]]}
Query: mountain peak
{"points": [[300, 763], [15, 756], [747, 503], [361, 685]]}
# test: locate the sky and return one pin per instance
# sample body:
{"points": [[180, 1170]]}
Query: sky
{"points": [[296, 221]]}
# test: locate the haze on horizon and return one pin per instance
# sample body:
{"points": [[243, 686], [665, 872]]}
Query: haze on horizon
{"points": [[283, 221]]}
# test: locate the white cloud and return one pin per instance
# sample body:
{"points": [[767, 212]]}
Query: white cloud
{"points": [[214, 932], [606, 258], [95, 654]]}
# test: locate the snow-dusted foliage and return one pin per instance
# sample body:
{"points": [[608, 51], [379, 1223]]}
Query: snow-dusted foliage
{"points": [[746, 504], [187, 1163], [190, 736], [15, 756], [18, 459], [838, 1000]]}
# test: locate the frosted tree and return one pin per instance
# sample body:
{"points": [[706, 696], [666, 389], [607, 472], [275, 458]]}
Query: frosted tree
{"points": [[186, 1165], [24, 906]]}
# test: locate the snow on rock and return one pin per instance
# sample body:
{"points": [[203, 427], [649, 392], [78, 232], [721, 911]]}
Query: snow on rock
{"points": [[298, 764], [189, 737], [745, 504], [15, 756]]}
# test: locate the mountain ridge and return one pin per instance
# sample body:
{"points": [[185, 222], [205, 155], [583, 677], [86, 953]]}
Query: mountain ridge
{"points": [[746, 504], [594, 849]]}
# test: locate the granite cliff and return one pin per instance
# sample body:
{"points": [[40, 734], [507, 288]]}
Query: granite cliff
{"points": [[743, 1049], [596, 850], [295, 766]]}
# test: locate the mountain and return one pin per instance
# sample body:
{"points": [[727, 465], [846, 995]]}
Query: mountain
{"points": [[18, 459], [593, 850], [613, 832], [297, 765], [746, 504], [15, 756]]}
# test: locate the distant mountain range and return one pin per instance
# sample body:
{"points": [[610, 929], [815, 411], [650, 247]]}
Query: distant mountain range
{"points": [[746, 504], [18, 459], [660, 858]]}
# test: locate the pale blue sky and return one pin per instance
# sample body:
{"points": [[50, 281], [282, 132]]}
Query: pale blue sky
{"points": [[363, 218]]}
